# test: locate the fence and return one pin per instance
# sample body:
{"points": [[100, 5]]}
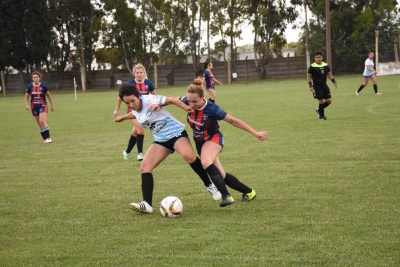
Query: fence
{"points": [[184, 74]]}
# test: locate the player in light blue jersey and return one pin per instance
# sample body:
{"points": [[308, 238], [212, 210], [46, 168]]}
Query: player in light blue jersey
{"points": [[169, 136], [369, 74]]}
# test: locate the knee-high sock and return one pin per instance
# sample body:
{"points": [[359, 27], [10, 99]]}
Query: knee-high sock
{"points": [[131, 144], [198, 168], [139, 142], [326, 105], [376, 88], [321, 110], [217, 179], [361, 87], [43, 134], [147, 187], [234, 183]]}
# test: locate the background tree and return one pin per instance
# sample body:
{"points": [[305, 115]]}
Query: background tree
{"points": [[270, 19]]}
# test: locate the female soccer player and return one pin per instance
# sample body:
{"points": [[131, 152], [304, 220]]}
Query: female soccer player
{"points": [[169, 136], [209, 80], [203, 119], [145, 87], [369, 73], [38, 104]]}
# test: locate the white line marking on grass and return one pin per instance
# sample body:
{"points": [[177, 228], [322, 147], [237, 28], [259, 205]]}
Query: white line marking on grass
{"points": [[370, 109]]}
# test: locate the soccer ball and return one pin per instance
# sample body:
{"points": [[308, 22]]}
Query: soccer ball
{"points": [[171, 207]]}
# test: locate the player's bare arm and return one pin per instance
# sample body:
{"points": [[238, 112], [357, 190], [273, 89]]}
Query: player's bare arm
{"points": [[128, 116], [244, 126]]}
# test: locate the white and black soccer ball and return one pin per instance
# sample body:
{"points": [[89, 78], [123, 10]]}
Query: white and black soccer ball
{"points": [[171, 207]]}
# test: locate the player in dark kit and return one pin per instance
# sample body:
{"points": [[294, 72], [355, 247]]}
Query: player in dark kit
{"points": [[209, 140], [318, 72], [38, 104]]}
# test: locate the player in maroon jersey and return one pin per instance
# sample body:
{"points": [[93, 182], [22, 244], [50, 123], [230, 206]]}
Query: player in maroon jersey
{"points": [[38, 104]]}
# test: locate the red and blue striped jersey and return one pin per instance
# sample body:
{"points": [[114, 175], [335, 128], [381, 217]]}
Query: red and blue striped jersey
{"points": [[38, 94], [145, 87], [204, 121], [209, 78]]}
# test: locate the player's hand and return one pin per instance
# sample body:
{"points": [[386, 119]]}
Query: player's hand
{"points": [[27, 108], [52, 108], [262, 136], [335, 84], [115, 113], [155, 107], [119, 119]]}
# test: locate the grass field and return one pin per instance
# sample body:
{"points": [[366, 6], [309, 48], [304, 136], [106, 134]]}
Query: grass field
{"points": [[328, 191]]}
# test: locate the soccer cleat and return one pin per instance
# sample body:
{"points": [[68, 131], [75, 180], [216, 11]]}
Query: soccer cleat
{"points": [[216, 195], [324, 118], [378, 93], [228, 200], [319, 116], [140, 156], [249, 196], [357, 93], [142, 207], [47, 140], [126, 155]]}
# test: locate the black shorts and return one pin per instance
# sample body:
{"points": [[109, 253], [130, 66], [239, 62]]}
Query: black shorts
{"points": [[322, 91], [169, 145]]}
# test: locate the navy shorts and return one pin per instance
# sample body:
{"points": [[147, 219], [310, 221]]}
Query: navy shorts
{"points": [[169, 145], [37, 110], [217, 138]]}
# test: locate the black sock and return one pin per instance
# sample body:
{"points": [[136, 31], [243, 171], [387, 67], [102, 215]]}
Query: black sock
{"points": [[198, 168], [217, 179], [139, 142], [212, 100], [326, 104], [147, 187], [131, 144], [321, 110], [47, 132], [42, 133], [234, 183], [361, 87], [376, 88]]}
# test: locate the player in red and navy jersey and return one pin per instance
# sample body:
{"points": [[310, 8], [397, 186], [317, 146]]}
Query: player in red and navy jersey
{"points": [[145, 87], [210, 141], [209, 79], [38, 104]]}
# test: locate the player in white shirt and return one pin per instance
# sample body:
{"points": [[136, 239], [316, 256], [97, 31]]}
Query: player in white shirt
{"points": [[369, 73], [169, 136]]}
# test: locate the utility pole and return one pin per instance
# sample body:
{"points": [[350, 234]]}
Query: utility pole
{"points": [[328, 33], [307, 34], [83, 69], [376, 49]]}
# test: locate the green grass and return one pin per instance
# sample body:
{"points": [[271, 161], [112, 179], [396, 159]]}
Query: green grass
{"points": [[328, 191]]}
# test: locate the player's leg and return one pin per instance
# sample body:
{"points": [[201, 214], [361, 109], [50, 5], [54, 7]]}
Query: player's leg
{"points": [[154, 156], [42, 120], [213, 94], [139, 140], [365, 83], [375, 85], [131, 142]]}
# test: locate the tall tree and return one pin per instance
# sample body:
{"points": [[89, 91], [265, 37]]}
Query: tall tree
{"points": [[270, 19]]}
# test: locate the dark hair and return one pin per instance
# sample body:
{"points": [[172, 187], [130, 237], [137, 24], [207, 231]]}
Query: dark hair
{"points": [[196, 87], [37, 73], [127, 89], [207, 64], [319, 54]]}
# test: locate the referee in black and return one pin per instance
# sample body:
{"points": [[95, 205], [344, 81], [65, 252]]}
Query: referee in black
{"points": [[318, 72]]}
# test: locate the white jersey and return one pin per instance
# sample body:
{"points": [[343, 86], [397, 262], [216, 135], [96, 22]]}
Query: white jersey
{"points": [[368, 63], [161, 123]]}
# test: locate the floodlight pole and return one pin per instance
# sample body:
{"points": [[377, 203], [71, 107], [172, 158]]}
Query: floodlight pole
{"points": [[376, 49]]}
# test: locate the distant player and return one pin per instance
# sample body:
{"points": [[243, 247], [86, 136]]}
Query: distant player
{"points": [[369, 74], [145, 87], [318, 72], [38, 104], [209, 80]]}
